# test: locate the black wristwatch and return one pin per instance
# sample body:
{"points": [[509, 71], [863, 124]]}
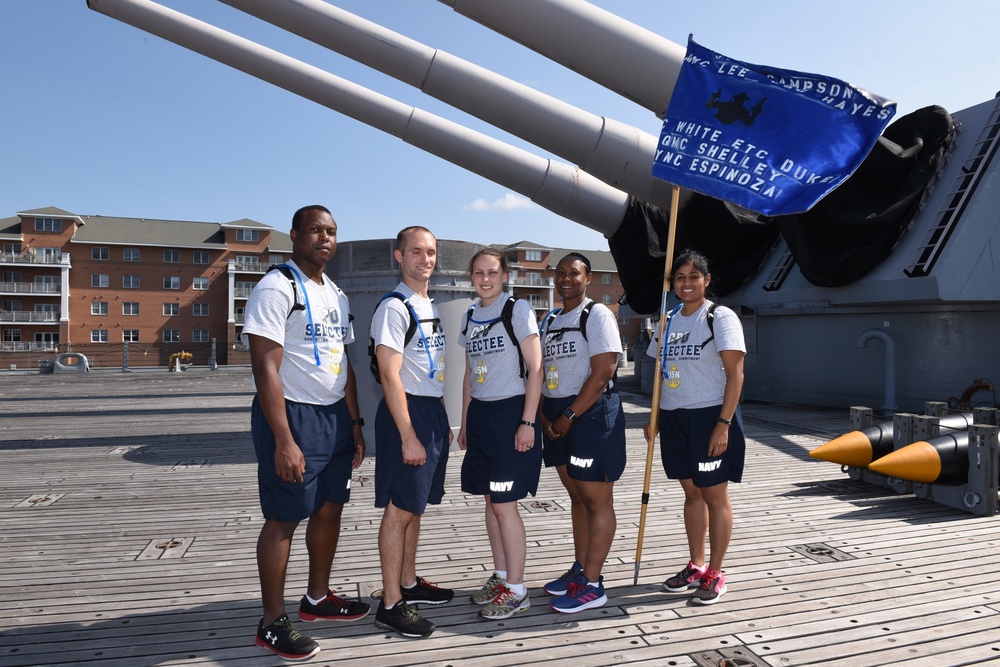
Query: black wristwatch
{"points": [[360, 421], [569, 414]]}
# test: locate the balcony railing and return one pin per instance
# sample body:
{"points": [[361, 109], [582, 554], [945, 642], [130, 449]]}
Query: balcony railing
{"points": [[249, 266], [521, 281], [28, 316], [242, 292], [31, 258], [30, 288], [18, 346]]}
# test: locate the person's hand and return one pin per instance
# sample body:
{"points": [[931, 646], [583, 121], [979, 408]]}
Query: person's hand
{"points": [[289, 463], [524, 439], [414, 453], [719, 442]]}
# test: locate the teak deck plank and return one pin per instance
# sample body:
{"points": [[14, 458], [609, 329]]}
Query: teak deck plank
{"points": [[129, 461]]}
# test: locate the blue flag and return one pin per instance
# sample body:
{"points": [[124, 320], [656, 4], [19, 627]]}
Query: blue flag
{"points": [[772, 140]]}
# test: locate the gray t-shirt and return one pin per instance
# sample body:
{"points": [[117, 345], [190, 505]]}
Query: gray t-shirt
{"points": [[694, 376], [423, 359], [492, 356], [566, 353], [267, 315]]}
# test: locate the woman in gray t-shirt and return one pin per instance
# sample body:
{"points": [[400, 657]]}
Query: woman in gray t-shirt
{"points": [[499, 432]]}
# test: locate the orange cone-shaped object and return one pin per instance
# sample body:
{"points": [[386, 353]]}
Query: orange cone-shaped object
{"points": [[944, 459], [857, 448]]}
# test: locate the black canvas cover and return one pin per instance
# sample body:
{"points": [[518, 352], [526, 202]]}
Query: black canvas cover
{"points": [[735, 247], [854, 228]]}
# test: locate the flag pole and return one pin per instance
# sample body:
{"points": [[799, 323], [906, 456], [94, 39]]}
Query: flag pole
{"points": [[654, 412]]}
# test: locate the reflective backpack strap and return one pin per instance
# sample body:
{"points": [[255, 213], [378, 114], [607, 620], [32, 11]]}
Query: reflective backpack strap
{"points": [[468, 318], [507, 317], [584, 315], [372, 357], [286, 271], [710, 317]]}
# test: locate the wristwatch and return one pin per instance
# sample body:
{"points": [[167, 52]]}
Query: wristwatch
{"points": [[360, 421], [569, 414]]}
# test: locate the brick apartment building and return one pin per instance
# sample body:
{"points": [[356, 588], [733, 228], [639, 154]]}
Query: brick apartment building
{"points": [[134, 291]]}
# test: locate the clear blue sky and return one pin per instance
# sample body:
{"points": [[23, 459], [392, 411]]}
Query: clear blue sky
{"points": [[99, 117]]}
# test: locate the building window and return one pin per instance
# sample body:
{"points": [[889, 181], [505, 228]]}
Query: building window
{"points": [[130, 282], [171, 309], [200, 309], [130, 335], [171, 336], [130, 308], [200, 284], [11, 248], [99, 253], [98, 335], [48, 225], [172, 256], [98, 280], [606, 299], [12, 276], [623, 320], [606, 278], [98, 307], [534, 299], [11, 306], [200, 256], [532, 255], [533, 278], [200, 336], [276, 259], [249, 235], [130, 255], [12, 335], [171, 282]]}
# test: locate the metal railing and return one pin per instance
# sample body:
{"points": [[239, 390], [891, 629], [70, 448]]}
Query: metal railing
{"points": [[29, 316], [31, 258], [30, 288]]}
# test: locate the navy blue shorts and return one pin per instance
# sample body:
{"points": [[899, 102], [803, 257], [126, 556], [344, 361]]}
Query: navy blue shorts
{"points": [[684, 437], [326, 437], [594, 448], [411, 488], [492, 466]]}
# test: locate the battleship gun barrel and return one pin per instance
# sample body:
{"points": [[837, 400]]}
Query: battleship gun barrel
{"points": [[614, 152], [607, 49], [564, 190]]}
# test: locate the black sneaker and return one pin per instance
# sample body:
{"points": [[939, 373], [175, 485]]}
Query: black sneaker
{"points": [[424, 592], [403, 620], [282, 638], [332, 608]]}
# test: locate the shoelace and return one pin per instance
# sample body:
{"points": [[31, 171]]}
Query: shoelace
{"points": [[423, 582], [575, 588], [504, 596], [708, 583], [286, 625], [409, 613]]}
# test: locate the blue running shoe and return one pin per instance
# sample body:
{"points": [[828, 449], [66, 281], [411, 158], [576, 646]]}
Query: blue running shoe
{"points": [[580, 596], [561, 585]]}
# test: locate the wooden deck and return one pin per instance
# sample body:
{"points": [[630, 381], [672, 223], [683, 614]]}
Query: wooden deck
{"points": [[129, 515]]}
